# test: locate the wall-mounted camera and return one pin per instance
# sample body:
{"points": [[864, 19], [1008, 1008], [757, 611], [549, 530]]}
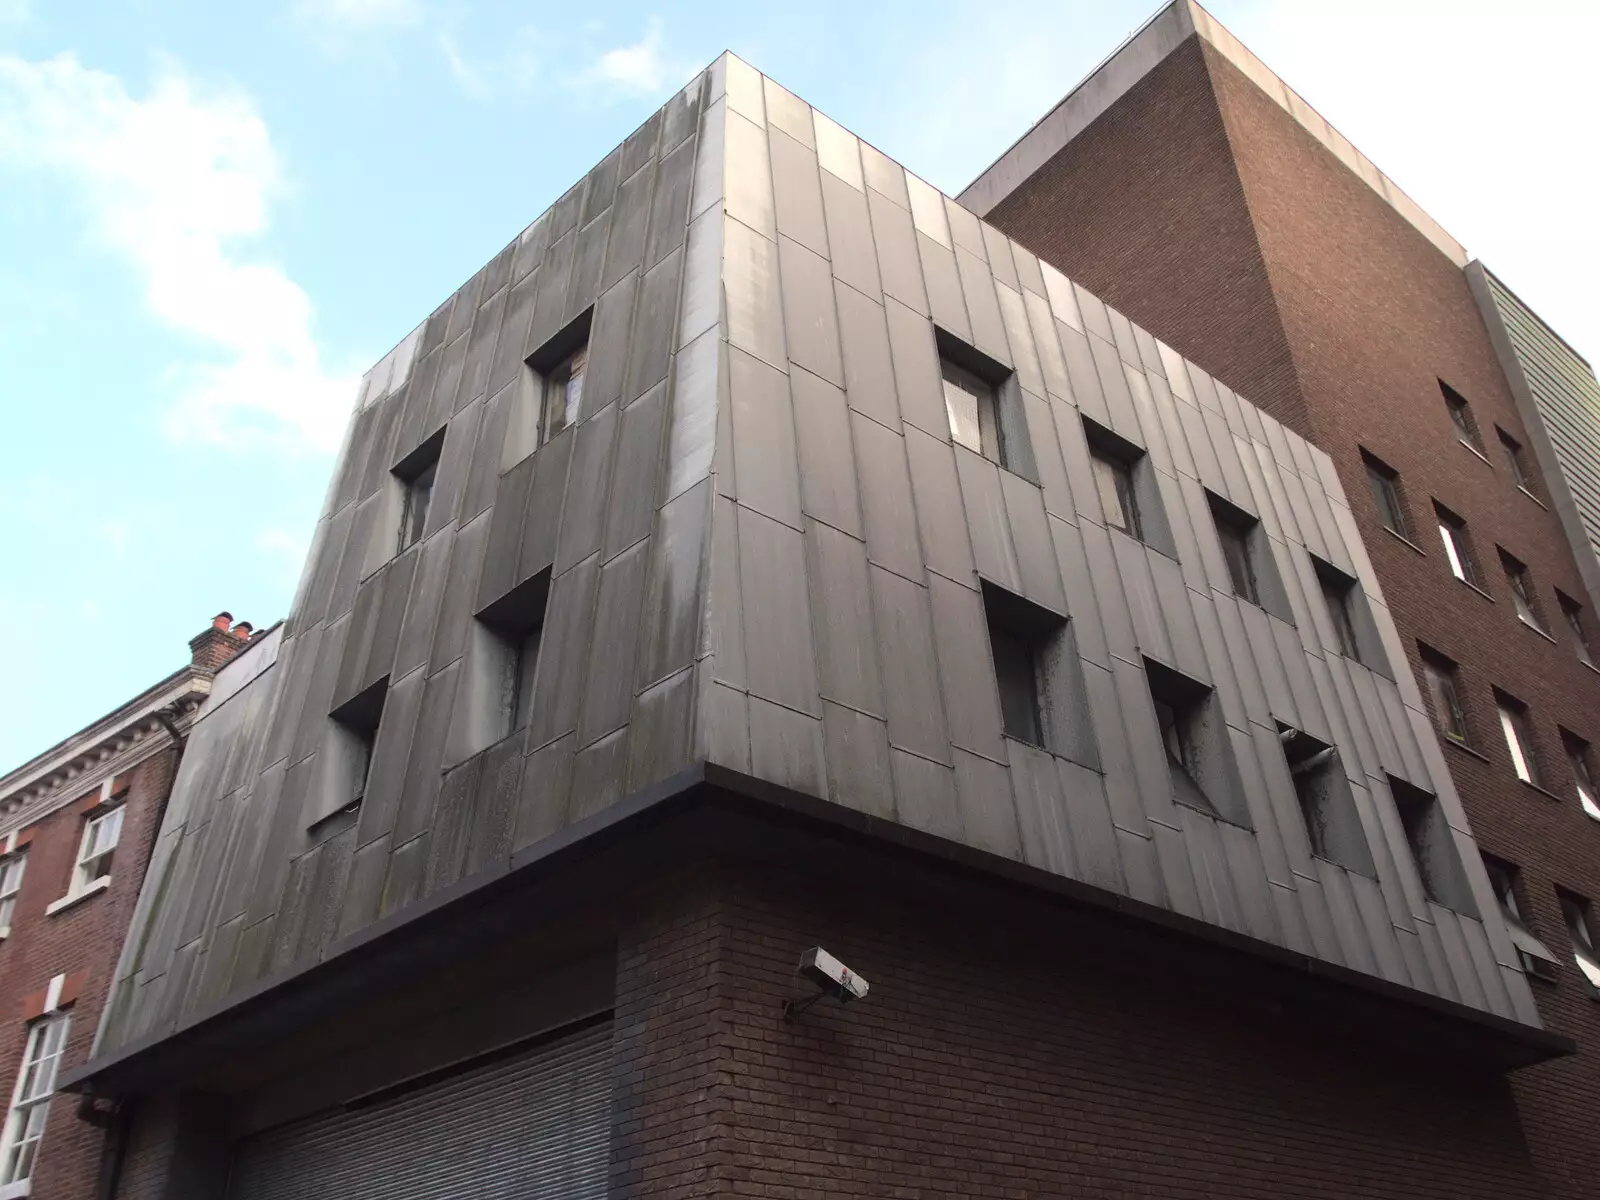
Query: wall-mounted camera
{"points": [[829, 976]]}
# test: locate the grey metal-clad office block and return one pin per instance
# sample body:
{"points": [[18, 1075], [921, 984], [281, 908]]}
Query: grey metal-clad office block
{"points": [[766, 553]]}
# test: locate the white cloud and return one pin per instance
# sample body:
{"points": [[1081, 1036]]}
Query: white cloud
{"points": [[641, 68], [175, 182], [513, 70]]}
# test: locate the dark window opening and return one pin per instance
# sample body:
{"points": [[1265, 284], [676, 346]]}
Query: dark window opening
{"points": [[552, 395], [1515, 460], [1572, 614], [1461, 417], [1038, 675], [1433, 846], [355, 724], [1355, 633], [1523, 596], [508, 649], [983, 405], [1332, 823], [1578, 757], [416, 475], [1505, 881], [1125, 482], [1247, 554], [1443, 679], [562, 401], [1198, 749], [1113, 480], [1385, 484], [1575, 911]]}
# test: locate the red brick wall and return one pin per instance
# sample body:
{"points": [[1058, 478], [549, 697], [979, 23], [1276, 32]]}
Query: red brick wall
{"points": [[1372, 316], [86, 937], [1001, 1056]]}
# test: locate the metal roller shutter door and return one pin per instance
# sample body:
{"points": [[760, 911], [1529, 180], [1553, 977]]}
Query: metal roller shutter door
{"points": [[533, 1125]]}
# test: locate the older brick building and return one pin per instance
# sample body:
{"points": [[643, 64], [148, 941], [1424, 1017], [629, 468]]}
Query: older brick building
{"points": [[1200, 195], [76, 826]]}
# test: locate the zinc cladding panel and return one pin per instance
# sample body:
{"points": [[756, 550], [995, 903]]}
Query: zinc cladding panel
{"points": [[921, 527], [535, 1124], [291, 890]]}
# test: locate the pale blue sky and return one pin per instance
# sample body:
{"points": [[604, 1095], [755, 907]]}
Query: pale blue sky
{"points": [[214, 217]]}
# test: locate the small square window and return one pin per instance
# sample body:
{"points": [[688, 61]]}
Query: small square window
{"points": [[1572, 614], [1126, 486], [1523, 597], [510, 630], [1433, 846], [1247, 554], [1384, 482], [1575, 911], [1443, 678], [970, 406], [1457, 546], [1505, 881], [1355, 635], [1582, 764], [1518, 731], [1461, 417], [1515, 458], [562, 402], [349, 754]]}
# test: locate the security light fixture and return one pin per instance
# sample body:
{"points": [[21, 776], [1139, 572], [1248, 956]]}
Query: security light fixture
{"points": [[831, 978]]}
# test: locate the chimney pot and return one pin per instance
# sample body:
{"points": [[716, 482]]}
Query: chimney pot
{"points": [[242, 629], [222, 620]]}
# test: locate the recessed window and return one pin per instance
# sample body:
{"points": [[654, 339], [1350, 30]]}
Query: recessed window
{"points": [[96, 849], [1195, 740], [1523, 597], [1572, 614], [11, 868], [1505, 881], [1457, 546], [1575, 911], [415, 474], [1038, 676], [1518, 731], [30, 1099], [507, 656], [1247, 554], [1461, 417], [349, 753], [562, 402], [1355, 634], [1384, 481], [970, 406], [1332, 824], [1113, 480], [1515, 458], [1582, 763], [1433, 846], [983, 405], [1443, 679]]}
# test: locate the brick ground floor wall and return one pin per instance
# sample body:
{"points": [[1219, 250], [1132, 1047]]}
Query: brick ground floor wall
{"points": [[1001, 1053], [997, 1059]]}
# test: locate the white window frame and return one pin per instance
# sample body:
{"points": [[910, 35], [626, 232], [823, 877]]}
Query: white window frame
{"points": [[92, 855], [30, 1102], [1457, 554], [12, 867]]}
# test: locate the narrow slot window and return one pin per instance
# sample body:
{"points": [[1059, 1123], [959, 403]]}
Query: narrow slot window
{"points": [[1516, 462], [969, 406], [1327, 806], [349, 753], [1195, 740], [1575, 910], [1247, 555], [1518, 731], [1572, 614], [1578, 756], [1457, 546], [11, 871], [414, 475], [983, 405], [1443, 678], [506, 659], [1113, 480], [1534, 956], [563, 394], [1461, 417], [1038, 676], [1523, 598], [1384, 483]]}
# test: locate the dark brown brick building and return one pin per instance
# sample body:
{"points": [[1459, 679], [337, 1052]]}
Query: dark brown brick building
{"points": [[76, 827], [1199, 195]]}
